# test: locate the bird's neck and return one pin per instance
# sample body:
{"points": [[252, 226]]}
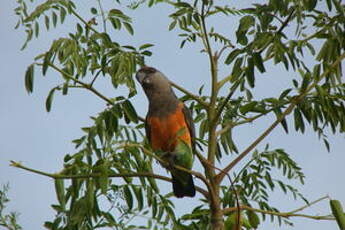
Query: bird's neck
{"points": [[161, 105]]}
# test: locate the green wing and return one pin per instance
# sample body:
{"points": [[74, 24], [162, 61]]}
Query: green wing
{"points": [[189, 120]]}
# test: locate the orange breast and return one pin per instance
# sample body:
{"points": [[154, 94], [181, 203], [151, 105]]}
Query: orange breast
{"points": [[166, 131]]}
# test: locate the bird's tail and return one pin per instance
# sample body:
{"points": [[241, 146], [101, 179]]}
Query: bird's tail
{"points": [[183, 189]]}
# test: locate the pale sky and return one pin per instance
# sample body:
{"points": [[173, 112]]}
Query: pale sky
{"points": [[40, 140]]}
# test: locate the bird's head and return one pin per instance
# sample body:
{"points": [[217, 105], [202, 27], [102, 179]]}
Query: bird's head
{"points": [[153, 82]]}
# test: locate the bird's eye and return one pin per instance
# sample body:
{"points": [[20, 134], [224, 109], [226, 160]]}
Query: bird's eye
{"points": [[146, 81]]}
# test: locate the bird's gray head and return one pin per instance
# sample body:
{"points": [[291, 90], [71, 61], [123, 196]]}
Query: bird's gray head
{"points": [[154, 83]]}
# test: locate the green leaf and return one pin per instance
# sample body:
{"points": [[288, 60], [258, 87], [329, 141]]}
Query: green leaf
{"points": [[306, 81], [278, 113], [172, 25], [46, 62], [329, 4], [325, 141], [139, 195], [146, 53], [37, 29], [338, 213], [49, 99], [90, 194], [62, 15], [54, 16], [250, 72], [258, 62], [60, 191], [299, 123], [65, 88], [339, 6], [46, 20], [129, 28], [128, 197], [248, 107], [230, 58], [93, 10], [29, 79], [284, 94], [183, 4], [103, 184], [253, 219], [130, 112], [316, 72], [79, 28], [231, 222], [237, 69], [245, 23], [116, 23], [310, 4], [115, 12], [145, 46]]}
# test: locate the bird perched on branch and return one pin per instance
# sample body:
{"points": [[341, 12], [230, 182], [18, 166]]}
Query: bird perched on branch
{"points": [[169, 128]]}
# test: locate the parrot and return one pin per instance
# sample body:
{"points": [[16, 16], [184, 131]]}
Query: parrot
{"points": [[169, 129]]}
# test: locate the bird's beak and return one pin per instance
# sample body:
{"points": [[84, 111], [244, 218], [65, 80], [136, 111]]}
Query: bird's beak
{"points": [[140, 76]]}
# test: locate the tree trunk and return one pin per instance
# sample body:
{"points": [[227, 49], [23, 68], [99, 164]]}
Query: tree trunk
{"points": [[217, 221]]}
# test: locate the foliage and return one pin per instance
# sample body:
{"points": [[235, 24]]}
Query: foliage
{"points": [[113, 163], [8, 221]]}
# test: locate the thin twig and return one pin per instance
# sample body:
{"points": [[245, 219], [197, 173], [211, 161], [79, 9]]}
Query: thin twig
{"points": [[103, 16], [85, 85], [226, 100], [83, 21], [91, 175], [282, 214], [232, 124], [214, 90], [220, 52], [310, 204], [224, 80], [98, 73], [286, 22], [97, 175], [195, 97], [282, 27]]}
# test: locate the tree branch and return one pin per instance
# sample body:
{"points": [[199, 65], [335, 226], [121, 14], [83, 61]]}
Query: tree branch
{"points": [[226, 100], [163, 162], [89, 86], [97, 175], [290, 108], [310, 204], [286, 22], [214, 91], [223, 81], [83, 21], [281, 214], [195, 97], [103, 16], [284, 214], [85, 86], [247, 120], [217, 221], [232, 91], [282, 27]]}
